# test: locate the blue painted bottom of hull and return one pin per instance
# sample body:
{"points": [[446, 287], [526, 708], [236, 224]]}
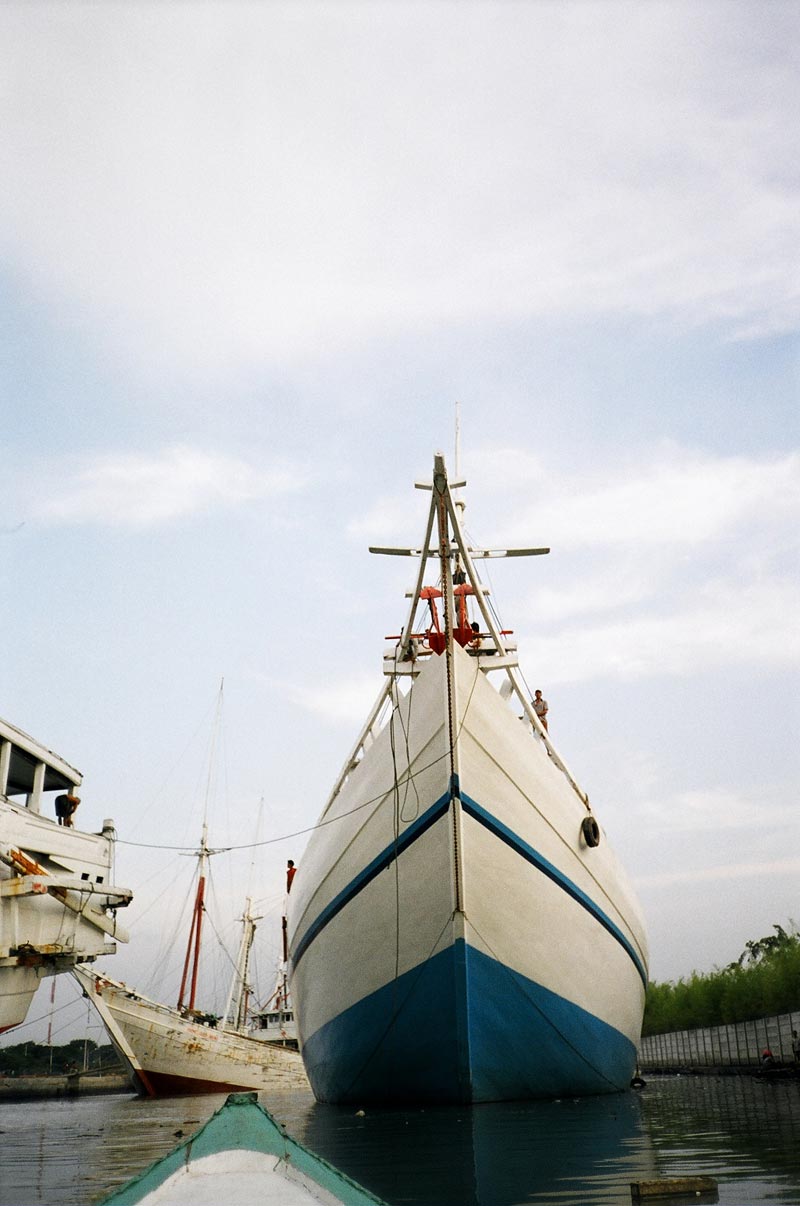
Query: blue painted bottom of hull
{"points": [[463, 1028]]}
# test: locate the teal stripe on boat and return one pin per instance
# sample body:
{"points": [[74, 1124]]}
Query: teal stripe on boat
{"points": [[473, 809], [501, 831], [378, 864], [242, 1124]]}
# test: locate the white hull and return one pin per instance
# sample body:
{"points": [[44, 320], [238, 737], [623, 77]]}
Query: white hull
{"points": [[453, 937], [167, 1053]]}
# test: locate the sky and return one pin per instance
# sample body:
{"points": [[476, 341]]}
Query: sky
{"points": [[251, 258]]}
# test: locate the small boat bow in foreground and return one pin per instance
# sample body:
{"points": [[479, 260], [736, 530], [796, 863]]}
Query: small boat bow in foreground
{"points": [[460, 929], [241, 1155]]}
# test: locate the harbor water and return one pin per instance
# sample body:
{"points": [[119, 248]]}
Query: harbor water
{"points": [[740, 1130]]}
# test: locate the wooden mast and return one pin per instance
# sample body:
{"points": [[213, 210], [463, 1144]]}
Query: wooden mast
{"points": [[193, 946]]}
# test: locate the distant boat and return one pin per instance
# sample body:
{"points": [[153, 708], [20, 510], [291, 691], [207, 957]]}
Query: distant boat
{"points": [[57, 897], [276, 1023], [184, 1049], [241, 1156], [460, 930]]}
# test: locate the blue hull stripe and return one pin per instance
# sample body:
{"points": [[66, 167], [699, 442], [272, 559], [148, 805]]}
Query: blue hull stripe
{"points": [[501, 831], [378, 864], [541, 863], [462, 1027]]}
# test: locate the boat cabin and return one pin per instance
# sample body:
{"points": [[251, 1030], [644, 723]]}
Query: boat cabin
{"points": [[277, 1026], [29, 770]]}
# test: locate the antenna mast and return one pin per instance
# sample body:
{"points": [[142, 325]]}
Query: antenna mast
{"points": [[458, 499]]}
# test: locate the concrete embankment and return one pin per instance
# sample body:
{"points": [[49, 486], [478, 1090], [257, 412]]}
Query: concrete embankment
{"points": [[738, 1046], [75, 1084]]}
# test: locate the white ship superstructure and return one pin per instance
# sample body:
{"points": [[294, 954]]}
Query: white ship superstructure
{"points": [[58, 901]]}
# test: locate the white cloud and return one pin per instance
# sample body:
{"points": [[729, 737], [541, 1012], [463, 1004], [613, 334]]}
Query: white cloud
{"points": [[766, 869], [127, 489], [715, 811], [594, 593], [204, 186], [727, 624], [390, 518], [671, 495], [344, 702]]}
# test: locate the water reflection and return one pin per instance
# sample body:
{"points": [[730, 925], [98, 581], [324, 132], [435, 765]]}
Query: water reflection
{"points": [[739, 1129], [585, 1150], [571, 1152]]}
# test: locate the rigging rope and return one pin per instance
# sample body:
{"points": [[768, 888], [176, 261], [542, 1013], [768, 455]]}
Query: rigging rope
{"points": [[286, 836]]}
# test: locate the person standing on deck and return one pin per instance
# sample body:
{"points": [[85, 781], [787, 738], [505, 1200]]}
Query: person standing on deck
{"points": [[291, 871], [541, 708], [65, 809]]}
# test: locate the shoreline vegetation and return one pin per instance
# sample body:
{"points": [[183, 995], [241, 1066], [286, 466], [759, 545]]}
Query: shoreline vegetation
{"points": [[42, 1059], [763, 981]]}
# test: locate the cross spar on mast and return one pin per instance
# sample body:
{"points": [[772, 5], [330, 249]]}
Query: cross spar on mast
{"points": [[469, 555], [444, 500]]}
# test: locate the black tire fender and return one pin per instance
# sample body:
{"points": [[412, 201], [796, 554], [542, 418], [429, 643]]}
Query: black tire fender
{"points": [[591, 831]]}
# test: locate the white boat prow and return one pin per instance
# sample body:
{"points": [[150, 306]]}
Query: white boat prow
{"points": [[240, 1156], [239, 1176]]}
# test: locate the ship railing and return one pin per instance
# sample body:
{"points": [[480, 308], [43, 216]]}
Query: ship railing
{"points": [[486, 655]]}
